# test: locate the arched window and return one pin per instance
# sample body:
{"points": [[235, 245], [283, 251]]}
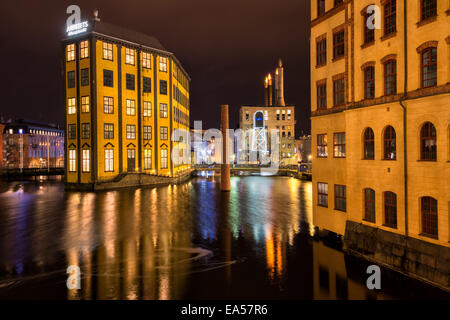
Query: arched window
{"points": [[390, 148], [429, 67], [429, 210], [369, 205], [369, 144], [428, 145], [390, 209]]}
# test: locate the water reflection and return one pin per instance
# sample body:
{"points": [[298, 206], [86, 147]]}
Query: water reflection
{"points": [[178, 242]]}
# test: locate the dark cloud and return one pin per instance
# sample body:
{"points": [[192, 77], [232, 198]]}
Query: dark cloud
{"points": [[226, 46]]}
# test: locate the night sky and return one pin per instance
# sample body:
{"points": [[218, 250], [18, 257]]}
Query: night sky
{"points": [[227, 47]]}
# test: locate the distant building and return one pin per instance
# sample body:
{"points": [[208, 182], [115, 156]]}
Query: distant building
{"points": [[32, 144], [125, 94], [259, 121], [303, 149]]}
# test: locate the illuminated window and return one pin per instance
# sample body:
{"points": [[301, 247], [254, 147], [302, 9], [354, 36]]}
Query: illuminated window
{"points": [[146, 60], [390, 210], [70, 56], [71, 107], [390, 148], [108, 105], [247, 116], [289, 114], [164, 160], [369, 205], [131, 107], [390, 77], [85, 106], [147, 109], [429, 216], [84, 49], [369, 83], [147, 159], [429, 67], [163, 64], [164, 133], [129, 56], [369, 144], [266, 115], [107, 51], [147, 133], [85, 130], [131, 132], [322, 146], [163, 110], [109, 160], [340, 197], [86, 160], [322, 194], [339, 145], [72, 160], [72, 134], [108, 129], [428, 142]]}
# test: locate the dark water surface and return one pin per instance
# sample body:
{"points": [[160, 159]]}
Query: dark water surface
{"points": [[179, 242]]}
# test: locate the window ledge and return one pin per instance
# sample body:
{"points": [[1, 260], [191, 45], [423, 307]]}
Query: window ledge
{"points": [[368, 44], [322, 206], [389, 36], [338, 58], [390, 227], [429, 236], [421, 160], [427, 21], [343, 211], [367, 159], [365, 220], [389, 159], [320, 65]]}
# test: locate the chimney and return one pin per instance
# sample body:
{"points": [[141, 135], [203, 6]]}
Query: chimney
{"points": [[269, 78], [266, 91], [279, 85]]}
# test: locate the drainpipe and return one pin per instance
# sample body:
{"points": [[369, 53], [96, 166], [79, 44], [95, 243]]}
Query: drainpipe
{"points": [[405, 90]]}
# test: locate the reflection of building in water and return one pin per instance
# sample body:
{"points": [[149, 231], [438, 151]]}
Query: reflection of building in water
{"points": [[259, 121], [142, 254], [330, 277]]}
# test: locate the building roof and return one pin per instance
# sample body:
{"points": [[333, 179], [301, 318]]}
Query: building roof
{"points": [[24, 123], [126, 35]]}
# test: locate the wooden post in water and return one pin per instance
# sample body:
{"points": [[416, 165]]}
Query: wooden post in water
{"points": [[225, 184]]}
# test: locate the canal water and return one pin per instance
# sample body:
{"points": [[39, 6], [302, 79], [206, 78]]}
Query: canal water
{"points": [[180, 242]]}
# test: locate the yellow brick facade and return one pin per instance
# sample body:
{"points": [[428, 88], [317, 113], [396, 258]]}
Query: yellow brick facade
{"points": [[421, 104], [143, 147]]}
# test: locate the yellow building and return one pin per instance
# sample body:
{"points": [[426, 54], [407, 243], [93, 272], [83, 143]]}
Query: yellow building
{"points": [[125, 95], [380, 102]]}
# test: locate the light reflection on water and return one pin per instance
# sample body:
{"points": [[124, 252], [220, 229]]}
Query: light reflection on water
{"points": [[189, 241]]}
